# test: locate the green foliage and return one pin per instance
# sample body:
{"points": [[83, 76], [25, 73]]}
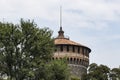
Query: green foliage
{"points": [[23, 50], [60, 70], [101, 72], [97, 72], [115, 74], [26, 52], [74, 78]]}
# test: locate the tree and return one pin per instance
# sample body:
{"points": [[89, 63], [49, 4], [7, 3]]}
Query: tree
{"points": [[59, 70], [75, 78], [23, 50], [101, 72], [115, 74], [96, 72]]}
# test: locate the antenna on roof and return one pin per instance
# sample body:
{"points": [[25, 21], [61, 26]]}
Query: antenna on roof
{"points": [[60, 16]]}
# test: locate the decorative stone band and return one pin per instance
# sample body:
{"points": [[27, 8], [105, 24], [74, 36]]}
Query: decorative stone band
{"points": [[67, 54], [75, 60]]}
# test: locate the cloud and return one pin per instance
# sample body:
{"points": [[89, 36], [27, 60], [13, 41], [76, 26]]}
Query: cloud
{"points": [[79, 12], [92, 22], [95, 13], [27, 8]]}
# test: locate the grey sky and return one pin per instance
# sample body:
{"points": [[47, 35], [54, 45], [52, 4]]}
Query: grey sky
{"points": [[94, 23]]}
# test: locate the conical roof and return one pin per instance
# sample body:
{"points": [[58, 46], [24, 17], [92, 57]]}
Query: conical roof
{"points": [[61, 40], [65, 41]]}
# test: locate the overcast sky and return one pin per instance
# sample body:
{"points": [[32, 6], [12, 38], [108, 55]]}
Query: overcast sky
{"points": [[94, 23]]}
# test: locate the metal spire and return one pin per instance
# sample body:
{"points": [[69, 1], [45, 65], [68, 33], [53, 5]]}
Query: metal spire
{"points": [[61, 32], [60, 16]]}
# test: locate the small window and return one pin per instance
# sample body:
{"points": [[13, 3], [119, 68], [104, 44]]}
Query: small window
{"points": [[73, 49], [67, 48], [61, 47], [78, 49], [83, 50]]}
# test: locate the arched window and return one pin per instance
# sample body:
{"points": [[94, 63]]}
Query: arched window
{"points": [[74, 61], [71, 61], [77, 61]]}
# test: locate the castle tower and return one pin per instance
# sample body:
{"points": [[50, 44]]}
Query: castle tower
{"points": [[77, 54]]}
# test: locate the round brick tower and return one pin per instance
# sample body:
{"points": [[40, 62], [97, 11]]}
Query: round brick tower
{"points": [[77, 55]]}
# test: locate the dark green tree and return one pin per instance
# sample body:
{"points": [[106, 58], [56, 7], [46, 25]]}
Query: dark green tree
{"points": [[75, 78], [96, 72], [24, 49], [115, 74], [59, 70]]}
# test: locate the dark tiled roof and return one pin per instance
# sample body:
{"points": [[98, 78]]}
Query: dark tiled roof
{"points": [[61, 40], [66, 41]]}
